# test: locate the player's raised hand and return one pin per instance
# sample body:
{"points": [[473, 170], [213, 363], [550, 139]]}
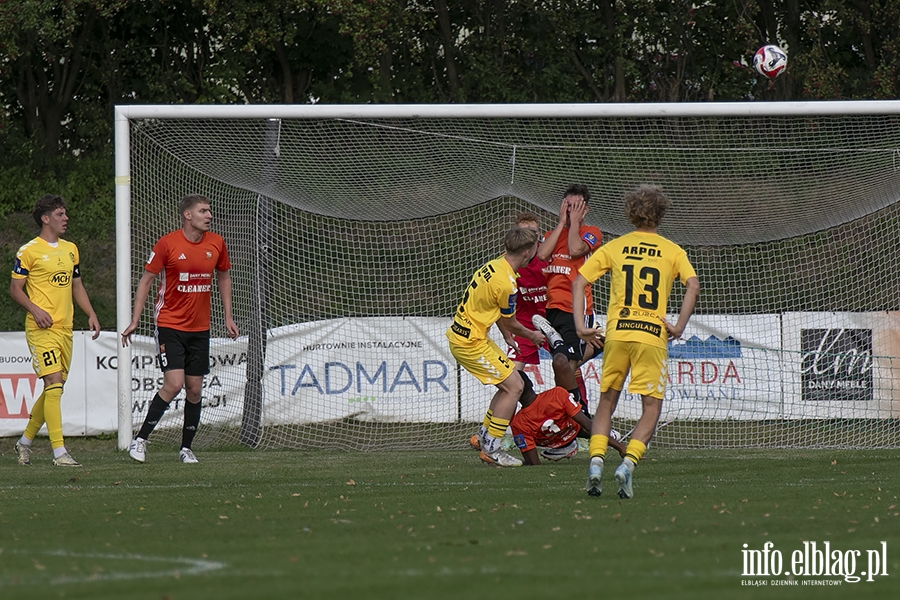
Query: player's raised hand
{"points": [[577, 212], [564, 212]]}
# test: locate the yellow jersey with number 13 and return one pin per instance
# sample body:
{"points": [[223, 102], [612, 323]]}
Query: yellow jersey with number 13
{"points": [[490, 295], [643, 267], [48, 272]]}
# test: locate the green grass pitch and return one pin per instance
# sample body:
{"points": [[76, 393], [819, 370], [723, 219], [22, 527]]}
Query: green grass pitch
{"points": [[437, 524]]}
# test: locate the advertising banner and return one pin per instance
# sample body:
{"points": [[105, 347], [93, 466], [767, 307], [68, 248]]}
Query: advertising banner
{"points": [[89, 396], [723, 366], [842, 364], [376, 369], [223, 389], [759, 367]]}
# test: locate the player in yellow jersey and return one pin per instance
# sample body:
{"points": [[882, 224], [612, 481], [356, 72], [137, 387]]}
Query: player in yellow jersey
{"points": [[643, 266], [46, 278], [491, 298]]}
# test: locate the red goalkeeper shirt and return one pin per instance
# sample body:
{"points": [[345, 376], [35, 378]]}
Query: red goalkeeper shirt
{"points": [[532, 292]]}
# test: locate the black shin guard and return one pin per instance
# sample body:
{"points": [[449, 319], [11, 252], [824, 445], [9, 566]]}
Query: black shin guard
{"points": [[191, 422], [158, 407]]}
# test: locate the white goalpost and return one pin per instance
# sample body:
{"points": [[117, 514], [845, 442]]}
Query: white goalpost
{"points": [[354, 229]]}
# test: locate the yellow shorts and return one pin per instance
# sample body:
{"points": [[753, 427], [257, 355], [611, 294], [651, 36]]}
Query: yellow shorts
{"points": [[484, 360], [649, 367], [51, 350]]}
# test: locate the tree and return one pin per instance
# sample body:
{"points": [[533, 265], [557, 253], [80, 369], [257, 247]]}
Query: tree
{"points": [[47, 46]]}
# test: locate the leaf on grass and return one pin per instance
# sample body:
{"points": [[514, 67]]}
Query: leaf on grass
{"points": [[351, 482]]}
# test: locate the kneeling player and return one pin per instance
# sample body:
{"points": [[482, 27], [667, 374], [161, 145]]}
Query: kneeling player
{"points": [[549, 422]]}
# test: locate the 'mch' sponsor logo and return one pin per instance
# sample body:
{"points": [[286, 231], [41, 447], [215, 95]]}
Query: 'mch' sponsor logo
{"points": [[60, 279]]}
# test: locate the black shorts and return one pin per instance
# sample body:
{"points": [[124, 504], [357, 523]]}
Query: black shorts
{"points": [[564, 323], [183, 350]]}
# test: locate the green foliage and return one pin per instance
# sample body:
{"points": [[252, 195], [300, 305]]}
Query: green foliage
{"points": [[86, 184], [64, 65]]}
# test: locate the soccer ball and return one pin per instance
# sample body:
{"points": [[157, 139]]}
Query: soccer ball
{"points": [[560, 453], [769, 61]]}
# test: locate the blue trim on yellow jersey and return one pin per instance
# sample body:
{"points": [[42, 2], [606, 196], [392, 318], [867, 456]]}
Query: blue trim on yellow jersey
{"points": [[18, 269]]}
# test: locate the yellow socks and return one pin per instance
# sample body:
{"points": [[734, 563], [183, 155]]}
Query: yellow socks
{"points": [[634, 451], [36, 420], [497, 427], [53, 414], [598, 446]]}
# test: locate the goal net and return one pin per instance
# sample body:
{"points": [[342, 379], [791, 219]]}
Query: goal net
{"points": [[354, 230]]}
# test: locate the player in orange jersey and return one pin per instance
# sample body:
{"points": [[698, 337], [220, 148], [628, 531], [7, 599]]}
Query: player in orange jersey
{"points": [[185, 260], [548, 423], [566, 248]]}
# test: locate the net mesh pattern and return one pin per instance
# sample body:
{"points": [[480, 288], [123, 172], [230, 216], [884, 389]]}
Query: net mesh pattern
{"points": [[387, 219]]}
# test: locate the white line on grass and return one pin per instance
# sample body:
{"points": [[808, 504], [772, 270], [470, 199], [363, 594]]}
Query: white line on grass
{"points": [[184, 566]]}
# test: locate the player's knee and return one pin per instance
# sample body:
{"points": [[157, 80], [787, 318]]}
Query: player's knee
{"points": [[560, 361], [193, 390], [514, 384]]}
